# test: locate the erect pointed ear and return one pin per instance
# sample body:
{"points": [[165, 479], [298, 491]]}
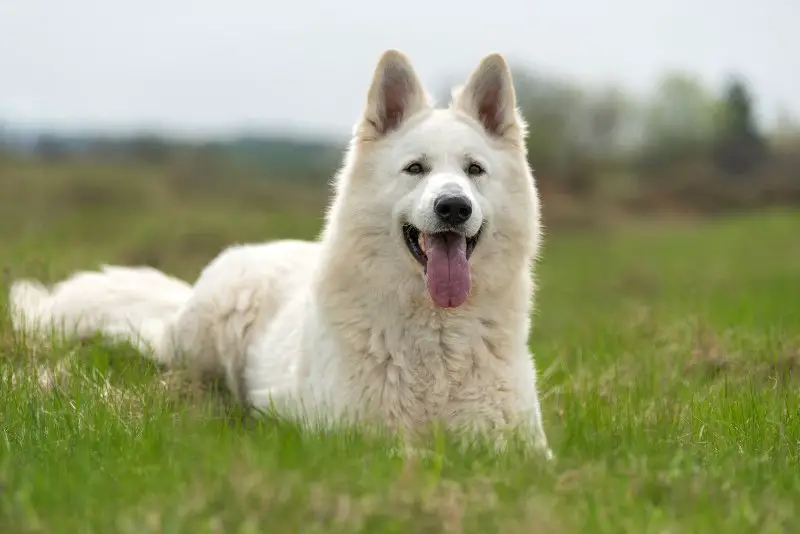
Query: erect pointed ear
{"points": [[395, 95], [489, 97]]}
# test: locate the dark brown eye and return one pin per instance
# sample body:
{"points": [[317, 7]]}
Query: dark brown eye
{"points": [[415, 168], [475, 169]]}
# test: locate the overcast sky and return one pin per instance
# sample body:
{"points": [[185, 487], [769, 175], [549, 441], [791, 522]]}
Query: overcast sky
{"points": [[203, 66]]}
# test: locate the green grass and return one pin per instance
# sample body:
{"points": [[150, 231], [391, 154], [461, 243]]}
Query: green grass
{"points": [[668, 356]]}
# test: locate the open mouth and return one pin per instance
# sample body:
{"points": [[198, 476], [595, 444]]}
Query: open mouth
{"points": [[417, 242], [444, 258]]}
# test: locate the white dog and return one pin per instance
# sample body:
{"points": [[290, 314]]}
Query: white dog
{"points": [[413, 308]]}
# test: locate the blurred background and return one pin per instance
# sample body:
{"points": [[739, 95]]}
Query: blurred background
{"points": [[159, 132], [665, 139]]}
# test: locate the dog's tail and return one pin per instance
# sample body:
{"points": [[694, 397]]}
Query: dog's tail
{"points": [[134, 304]]}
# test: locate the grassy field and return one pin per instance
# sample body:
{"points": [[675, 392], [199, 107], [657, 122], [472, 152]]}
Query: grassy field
{"points": [[669, 356]]}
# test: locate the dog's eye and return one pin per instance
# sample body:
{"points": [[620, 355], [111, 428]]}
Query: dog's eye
{"points": [[475, 169], [414, 168]]}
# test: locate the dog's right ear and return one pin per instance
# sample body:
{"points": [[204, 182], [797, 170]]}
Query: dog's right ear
{"points": [[395, 95]]}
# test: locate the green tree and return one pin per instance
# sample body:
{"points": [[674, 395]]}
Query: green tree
{"points": [[739, 145], [678, 121]]}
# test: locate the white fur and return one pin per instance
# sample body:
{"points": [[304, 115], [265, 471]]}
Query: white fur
{"points": [[343, 328]]}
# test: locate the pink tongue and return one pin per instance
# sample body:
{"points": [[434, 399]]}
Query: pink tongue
{"points": [[448, 270]]}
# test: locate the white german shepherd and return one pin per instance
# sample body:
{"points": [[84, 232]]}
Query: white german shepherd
{"points": [[413, 307]]}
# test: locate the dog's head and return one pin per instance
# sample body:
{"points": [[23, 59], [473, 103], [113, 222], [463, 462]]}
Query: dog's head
{"points": [[450, 187]]}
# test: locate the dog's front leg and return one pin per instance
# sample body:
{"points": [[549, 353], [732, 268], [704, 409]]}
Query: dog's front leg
{"points": [[280, 403], [539, 437]]}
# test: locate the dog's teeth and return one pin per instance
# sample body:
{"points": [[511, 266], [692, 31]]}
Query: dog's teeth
{"points": [[422, 242]]}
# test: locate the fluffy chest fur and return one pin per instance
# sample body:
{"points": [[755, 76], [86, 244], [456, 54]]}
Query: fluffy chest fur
{"points": [[420, 366]]}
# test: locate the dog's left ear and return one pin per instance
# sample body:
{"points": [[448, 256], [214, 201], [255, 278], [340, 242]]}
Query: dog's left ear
{"points": [[489, 97], [395, 94]]}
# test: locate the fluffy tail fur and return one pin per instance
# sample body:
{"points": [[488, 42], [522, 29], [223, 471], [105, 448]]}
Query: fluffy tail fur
{"points": [[135, 304]]}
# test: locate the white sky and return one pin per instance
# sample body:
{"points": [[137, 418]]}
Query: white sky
{"points": [[203, 66]]}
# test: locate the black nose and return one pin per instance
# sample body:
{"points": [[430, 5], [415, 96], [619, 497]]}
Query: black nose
{"points": [[453, 209]]}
